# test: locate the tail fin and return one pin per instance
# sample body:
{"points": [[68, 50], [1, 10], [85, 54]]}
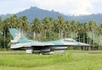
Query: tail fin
{"points": [[17, 36]]}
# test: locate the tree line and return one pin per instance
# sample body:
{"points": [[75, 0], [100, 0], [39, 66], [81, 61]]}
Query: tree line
{"points": [[49, 29]]}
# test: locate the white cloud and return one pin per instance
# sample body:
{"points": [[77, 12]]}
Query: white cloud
{"points": [[66, 6], [75, 7], [96, 6], [82, 6]]}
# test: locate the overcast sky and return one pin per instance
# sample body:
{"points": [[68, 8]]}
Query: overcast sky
{"points": [[73, 7]]}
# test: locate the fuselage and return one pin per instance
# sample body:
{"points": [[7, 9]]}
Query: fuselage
{"points": [[51, 44]]}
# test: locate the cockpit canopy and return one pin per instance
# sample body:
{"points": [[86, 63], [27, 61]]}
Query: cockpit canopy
{"points": [[69, 40]]}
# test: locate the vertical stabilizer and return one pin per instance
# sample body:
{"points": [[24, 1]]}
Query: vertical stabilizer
{"points": [[16, 34]]}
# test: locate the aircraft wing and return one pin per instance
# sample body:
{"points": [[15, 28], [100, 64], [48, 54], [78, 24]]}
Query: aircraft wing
{"points": [[59, 43]]}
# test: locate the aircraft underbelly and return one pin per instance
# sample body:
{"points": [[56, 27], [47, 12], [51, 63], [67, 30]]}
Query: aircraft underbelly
{"points": [[58, 48], [45, 50]]}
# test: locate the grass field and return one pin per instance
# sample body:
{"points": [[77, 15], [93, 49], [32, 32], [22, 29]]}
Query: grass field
{"points": [[17, 60]]}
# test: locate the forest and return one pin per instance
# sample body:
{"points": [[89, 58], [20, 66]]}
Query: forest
{"points": [[49, 28]]}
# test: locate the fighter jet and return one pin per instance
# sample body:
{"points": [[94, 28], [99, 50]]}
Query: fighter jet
{"points": [[50, 47]]}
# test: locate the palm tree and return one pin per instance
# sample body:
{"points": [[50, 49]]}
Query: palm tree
{"points": [[99, 32], [1, 28], [72, 28], [60, 25], [67, 29], [91, 26], [35, 26], [77, 29], [84, 31], [46, 25], [12, 21], [0, 31], [23, 24], [5, 30], [51, 23], [50, 32], [55, 29]]}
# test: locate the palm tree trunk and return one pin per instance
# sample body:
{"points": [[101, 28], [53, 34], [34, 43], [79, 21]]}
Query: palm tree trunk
{"points": [[34, 34], [59, 33], [79, 37], [99, 45], [89, 43], [45, 33], [4, 40], [84, 37]]}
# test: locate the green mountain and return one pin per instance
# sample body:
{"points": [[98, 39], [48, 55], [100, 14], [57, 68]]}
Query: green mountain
{"points": [[33, 12], [36, 12]]}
